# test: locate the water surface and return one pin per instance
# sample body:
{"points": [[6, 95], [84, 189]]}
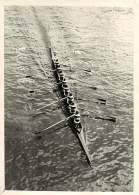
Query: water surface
{"points": [[85, 39]]}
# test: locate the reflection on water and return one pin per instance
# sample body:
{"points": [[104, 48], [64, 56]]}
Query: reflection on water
{"points": [[93, 45]]}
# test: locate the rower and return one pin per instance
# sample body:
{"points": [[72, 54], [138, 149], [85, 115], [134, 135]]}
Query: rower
{"points": [[56, 63], [59, 73], [77, 115], [72, 108], [60, 76], [59, 70], [55, 59], [70, 98], [64, 82], [65, 88], [66, 92]]}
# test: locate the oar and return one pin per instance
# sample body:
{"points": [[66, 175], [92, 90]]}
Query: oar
{"points": [[46, 129], [109, 118], [60, 100], [88, 85], [96, 102], [51, 104], [73, 70]]}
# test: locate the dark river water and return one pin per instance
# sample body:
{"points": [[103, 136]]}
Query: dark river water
{"points": [[95, 47]]}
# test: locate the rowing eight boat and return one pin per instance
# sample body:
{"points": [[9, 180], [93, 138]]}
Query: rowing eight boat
{"points": [[77, 129]]}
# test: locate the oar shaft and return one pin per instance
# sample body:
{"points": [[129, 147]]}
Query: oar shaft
{"points": [[51, 104], [88, 85], [54, 124]]}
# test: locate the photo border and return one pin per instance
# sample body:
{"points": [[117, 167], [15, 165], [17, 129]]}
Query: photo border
{"points": [[94, 3]]}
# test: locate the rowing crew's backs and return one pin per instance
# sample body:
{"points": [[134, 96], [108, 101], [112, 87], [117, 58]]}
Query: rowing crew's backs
{"points": [[65, 91]]}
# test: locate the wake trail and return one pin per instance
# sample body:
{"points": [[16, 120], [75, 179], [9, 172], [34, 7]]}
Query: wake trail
{"points": [[43, 32]]}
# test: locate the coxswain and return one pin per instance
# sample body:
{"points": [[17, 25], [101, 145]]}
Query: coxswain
{"points": [[77, 121]]}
